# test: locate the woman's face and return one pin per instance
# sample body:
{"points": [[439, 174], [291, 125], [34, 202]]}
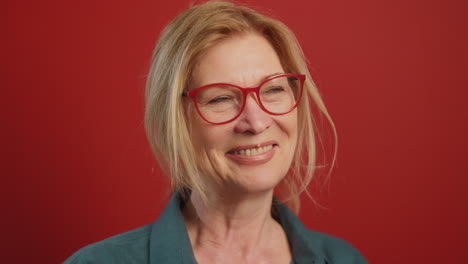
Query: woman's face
{"points": [[223, 150]]}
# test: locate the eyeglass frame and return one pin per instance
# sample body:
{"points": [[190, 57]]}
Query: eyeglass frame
{"points": [[245, 91]]}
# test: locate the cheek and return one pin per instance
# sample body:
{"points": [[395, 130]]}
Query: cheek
{"points": [[294, 133], [209, 142], [289, 126], [204, 136], [197, 127]]}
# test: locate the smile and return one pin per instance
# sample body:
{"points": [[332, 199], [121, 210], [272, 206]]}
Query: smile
{"points": [[252, 151], [252, 155]]}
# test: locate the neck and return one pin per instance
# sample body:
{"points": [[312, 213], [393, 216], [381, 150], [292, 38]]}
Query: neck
{"points": [[242, 222]]}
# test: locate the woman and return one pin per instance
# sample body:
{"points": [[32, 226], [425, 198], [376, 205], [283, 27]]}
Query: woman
{"points": [[228, 116]]}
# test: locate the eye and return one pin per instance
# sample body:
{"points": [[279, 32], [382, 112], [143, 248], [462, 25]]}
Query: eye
{"points": [[220, 99], [275, 89]]}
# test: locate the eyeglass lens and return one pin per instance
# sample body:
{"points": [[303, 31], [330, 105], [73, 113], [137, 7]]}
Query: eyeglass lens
{"points": [[221, 103]]}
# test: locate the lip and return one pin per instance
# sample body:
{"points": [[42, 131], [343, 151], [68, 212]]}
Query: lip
{"points": [[253, 159], [272, 142]]}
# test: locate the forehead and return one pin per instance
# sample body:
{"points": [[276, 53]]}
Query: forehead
{"points": [[240, 59]]}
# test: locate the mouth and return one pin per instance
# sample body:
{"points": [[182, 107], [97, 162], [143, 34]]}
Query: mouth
{"points": [[252, 151], [253, 155]]}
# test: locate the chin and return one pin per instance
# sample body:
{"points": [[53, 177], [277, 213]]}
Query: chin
{"points": [[259, 181]]}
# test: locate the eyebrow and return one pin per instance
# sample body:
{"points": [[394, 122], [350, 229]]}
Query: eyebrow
{"points": [[271, 75], [267, 76], [261, 80]]}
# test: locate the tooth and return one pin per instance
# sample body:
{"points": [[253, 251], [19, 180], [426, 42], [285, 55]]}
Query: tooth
{"points": [[253, 151]]}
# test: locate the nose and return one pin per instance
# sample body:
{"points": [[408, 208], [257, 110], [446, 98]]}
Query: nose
{"points": [[252, 119]]}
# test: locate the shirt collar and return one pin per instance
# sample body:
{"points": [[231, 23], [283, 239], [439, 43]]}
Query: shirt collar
{"points": [[304, 250], [170, 243]]}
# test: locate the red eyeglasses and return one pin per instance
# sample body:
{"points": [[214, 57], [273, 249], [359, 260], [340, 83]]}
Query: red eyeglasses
{"points": [[221, 103]]}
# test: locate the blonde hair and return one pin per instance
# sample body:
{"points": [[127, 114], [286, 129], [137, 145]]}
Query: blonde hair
{"points": [[177, 51]]}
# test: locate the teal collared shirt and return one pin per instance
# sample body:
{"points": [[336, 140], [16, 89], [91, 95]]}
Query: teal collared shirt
{"points": [[167, 241]]}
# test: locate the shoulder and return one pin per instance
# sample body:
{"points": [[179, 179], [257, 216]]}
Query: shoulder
{"points": [[128, 247], [332, 249], [312, 246], [162, 241]]}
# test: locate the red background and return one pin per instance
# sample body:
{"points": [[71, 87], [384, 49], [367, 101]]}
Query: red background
{"points": [[76, 166]]}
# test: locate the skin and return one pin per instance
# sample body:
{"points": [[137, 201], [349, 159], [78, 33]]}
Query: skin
{"points": [[235, 224]]}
